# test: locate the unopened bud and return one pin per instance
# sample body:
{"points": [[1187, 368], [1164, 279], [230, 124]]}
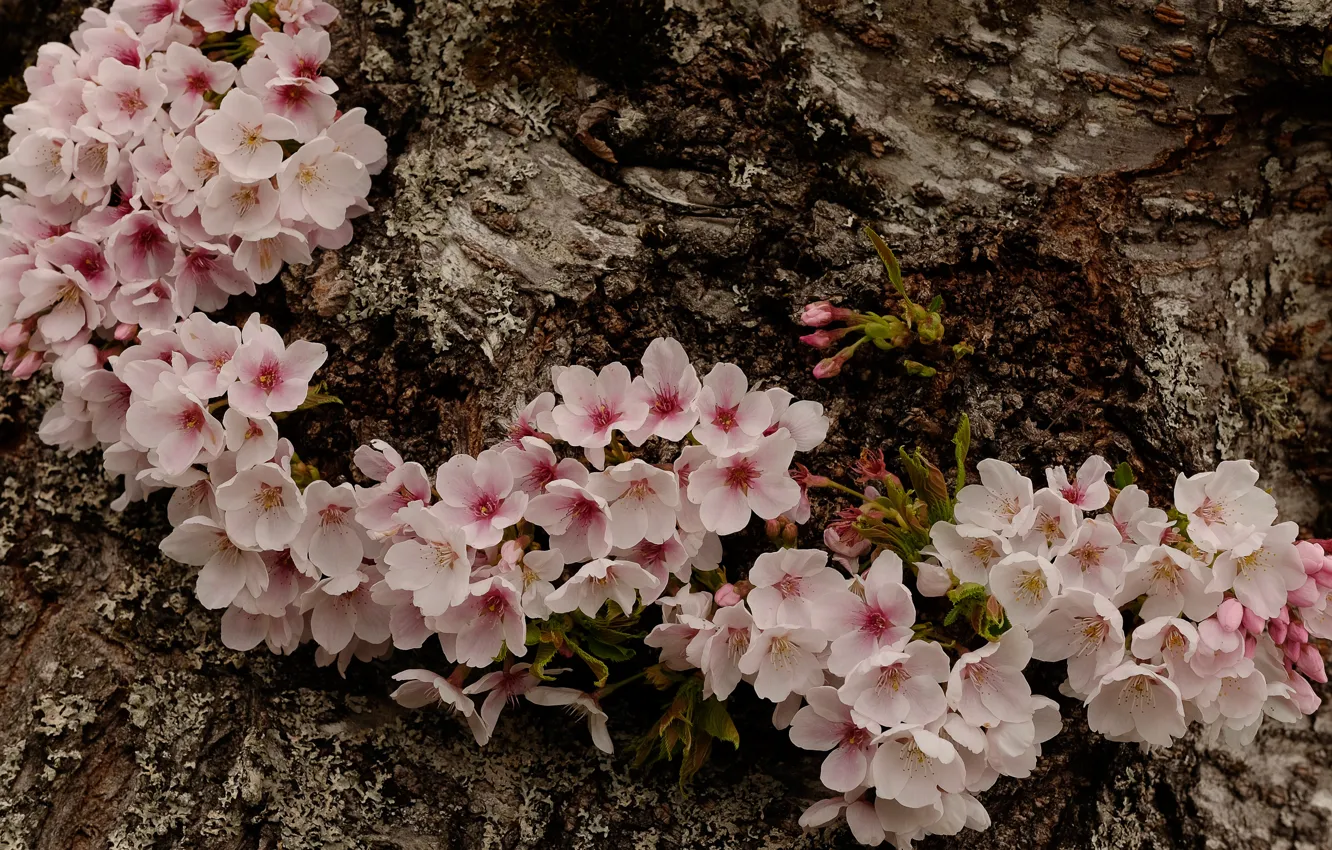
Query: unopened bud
{"points": [[1277, 630], [125, 331], [1305, 595], [1311, 663], [1292, 650], [1297, 632], [819, 313], [1250, 645], [1230, 614], [27, 365], [773, 528], [1252, 623], [1324, 578], [727, 595], [830, 366], [13, 336], [823, 338], [790, 531]]}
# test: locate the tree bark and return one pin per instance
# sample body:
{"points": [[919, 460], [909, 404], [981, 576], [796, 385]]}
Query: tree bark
{"points": [[1123, 205]]}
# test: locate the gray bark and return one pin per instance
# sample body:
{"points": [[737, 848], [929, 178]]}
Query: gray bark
{"points": [[1123, 205]]}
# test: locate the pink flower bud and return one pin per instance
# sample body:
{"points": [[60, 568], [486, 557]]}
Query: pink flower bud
{"points": [[1324, 578], [828, 367], [1297, 632], [773, 528], [13, 336], [1277, 630], [1292, 650], [1250, 645], [1311, 556], [1230, 614], [27, 365], [1253, 624], [789, 534], [1284, 615], [1305, 595], [125, 331], [1305, 698], [1311, 663], [726, 596], [819, 313], [824, 338]]}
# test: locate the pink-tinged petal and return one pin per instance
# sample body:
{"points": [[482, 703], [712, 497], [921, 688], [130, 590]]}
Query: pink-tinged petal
{"points": [[754, 414], [242, 631], [219, 581], [333, 623], [725, 510], [772, 496], [844, 769], [810, 731]]}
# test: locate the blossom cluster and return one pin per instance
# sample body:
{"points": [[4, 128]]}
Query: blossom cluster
{"points": [[488, 552], [174, 154]]}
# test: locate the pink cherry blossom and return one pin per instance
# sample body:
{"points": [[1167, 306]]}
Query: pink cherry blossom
{"points": [[188, 77], [502, 687], [1025, 585], [44, 160], [329, 540], [404, 483], [477, 495], [1135, 702], [597, 581], [899, 686], [73, 254], [731, 419], [717, 652], [422, 688], [534, 464], [227, 568], [882, 618], [784, 660], [1223, 506], [262, 507], [126, 99], [142, 247], [1172, 581], [1087, 490], [642, 500], [343, 610], [318, 183], [211, 345], [1085, 629], [249, 210], [218, 15], [670, 387], [729, 488], [271, 377], [826, 723], [593, 405], [363, 142], [64, 309], [435, 566], [789, 585], [968, 551], [986, 685], [298, 58], [913, 765], [262, 257], [803, 420], [488, 621], [577, 520], [176, 424], [244, 136], [1093, 558], [1002, 502]]}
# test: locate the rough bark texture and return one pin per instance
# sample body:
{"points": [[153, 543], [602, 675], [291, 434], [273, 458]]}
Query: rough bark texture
{"points": [[1123, 205]]}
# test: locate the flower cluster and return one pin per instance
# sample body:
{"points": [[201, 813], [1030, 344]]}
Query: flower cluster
{"points": [[161, 176]]}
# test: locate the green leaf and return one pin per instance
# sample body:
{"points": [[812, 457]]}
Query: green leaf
{"points": [[963, 349], [919, 370], [713, 718], [962, 445], [696, 755], [936, 304], [545, 652], [317, 396], [598, 667], [606, 651], [1124, 475], [967, 591], [889, 262], [712, 580]]}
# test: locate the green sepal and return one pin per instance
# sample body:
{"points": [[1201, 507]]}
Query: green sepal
{"points": [[1124, 475]]}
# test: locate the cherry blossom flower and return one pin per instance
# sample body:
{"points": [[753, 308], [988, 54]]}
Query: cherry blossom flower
{"points": [[297, 59], [718, 651], [365, 143], [728, 488], [968, 551], [893, 687], [534, 465], [1223, 506], [435, 566], [218, 15], [669, 387], [405, 483], [142, 247], [913, 765], [188, 77], [271, 377], [64, 309], [249, 210], [826, 723], [175, 423], [577, 520], [422, 687], [642, 500], [487, 621], [262, 508], [1002, 502], [44, 160], [476, 494], [784, 661], [1026, 585], [318, 183], [731, 418], [593, 405], [595, 582], [502, 687], [329, 540], [1134, 702], [1262, 569], [1087, 490], [253, 440], [227, 568], [126, 99], [1087, 630], [74, 253], [1173, 583], [377, 460], [579, 703], [242, 630], [343, 610], [881, 618], [986, 685], [1093, 558], [803, 420], [244, 136]]}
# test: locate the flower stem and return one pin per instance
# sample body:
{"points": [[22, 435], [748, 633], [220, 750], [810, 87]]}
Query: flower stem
{"points": [[606, 691]]}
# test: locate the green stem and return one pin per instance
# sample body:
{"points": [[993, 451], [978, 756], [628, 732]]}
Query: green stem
{"points": [[606, 691], [845, 489]]}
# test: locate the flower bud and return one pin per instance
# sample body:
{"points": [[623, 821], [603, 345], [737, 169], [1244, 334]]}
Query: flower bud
{"points": [[125, 331], [819, 313], [1297, 632], [1305, 595], [726, 596], [1277, 630], [1292, 650], [27, 365], [1324, 578], [789, 534], [1250, 645], [1311, 663], [773, 528], [1230, 614], [1284, 615], [823, 339], [13, 336], [830, 366], [1311, 556], [1252, 623]]}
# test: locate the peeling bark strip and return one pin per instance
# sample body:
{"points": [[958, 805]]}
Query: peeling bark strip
{"points": [[1124, 269]]}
